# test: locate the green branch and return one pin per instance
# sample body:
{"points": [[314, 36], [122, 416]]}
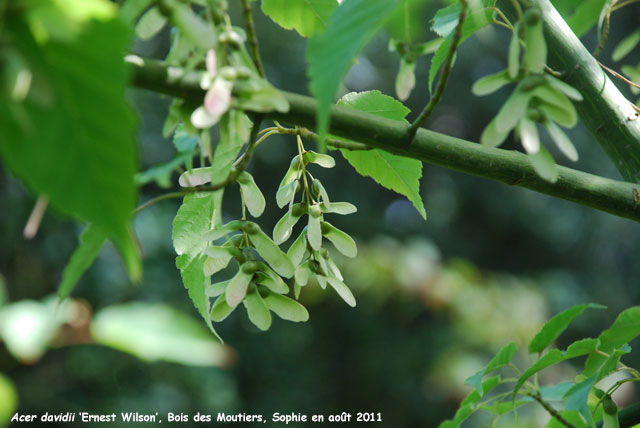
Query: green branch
{"points": [[608, 115], [507, 166]]}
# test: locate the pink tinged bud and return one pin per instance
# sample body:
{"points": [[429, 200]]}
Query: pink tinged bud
{"points": [[211, 62], [201, 118], [218, 97]]}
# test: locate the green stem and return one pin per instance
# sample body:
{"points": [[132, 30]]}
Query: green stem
{"points": [[252, 37], [507, 166], [553, 412], [444, 76]]}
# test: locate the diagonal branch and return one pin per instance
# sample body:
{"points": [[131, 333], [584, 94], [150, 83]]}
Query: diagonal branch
{"points": [[507, 166]]}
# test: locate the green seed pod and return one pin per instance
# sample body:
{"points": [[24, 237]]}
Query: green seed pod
{"points": [[249, 267], [257, 309], [609, 406], [217, 289], [324, 161], [343, 242], [237, 288], [236, 240], [250, 227], [342, 290], [298, 249], [270, 251], [286, 308], [298, 209], [532, 16]]}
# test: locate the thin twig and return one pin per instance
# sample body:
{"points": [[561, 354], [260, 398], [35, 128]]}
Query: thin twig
{"points": [[444, 76], [605, 30], [623, 4], [305, 133], [238, 168], [252, 37], [553, 412], [618, 75], [33, 224]]}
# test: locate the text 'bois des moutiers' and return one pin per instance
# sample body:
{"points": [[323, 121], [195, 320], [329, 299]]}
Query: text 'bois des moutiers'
{"points": [[132, 417]]}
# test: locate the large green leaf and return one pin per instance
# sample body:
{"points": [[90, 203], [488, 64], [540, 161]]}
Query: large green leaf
{"points": [[156, 332], [89, 247], [331, 52], [71, 138], [397, 173], [196, 282], [625, 328], [191, 221], [556, 325], [304, 16]]}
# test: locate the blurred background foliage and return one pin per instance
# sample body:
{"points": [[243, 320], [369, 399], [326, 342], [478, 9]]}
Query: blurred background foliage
{"points": [[435, 298]]}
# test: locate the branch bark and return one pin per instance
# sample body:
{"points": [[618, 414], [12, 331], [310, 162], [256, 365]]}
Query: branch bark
{"points": [[510, 167], [608, 115]]}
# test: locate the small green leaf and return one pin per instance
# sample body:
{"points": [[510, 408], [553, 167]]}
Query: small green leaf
{"points": [[217, 289], [237, 288], [306, 17], [253, 198], [502, 358], [343, 242], [514, 53], [529, 136], [625, 328], [330, 54], [626, 45], [562, 141], [285, 194], [324, 160], [557, 325], [406, 79], [257, 309], [303, 273], [490, 83], [221, 309], [314, 232], [342, 290], [545, 166], [91, 242], [270, 251], [298, 249], [283, 228], [342, 208], [512, 110], [191, 222], [286, 308], [536, 46], [150, 24], [491, 137], [576, 397]]}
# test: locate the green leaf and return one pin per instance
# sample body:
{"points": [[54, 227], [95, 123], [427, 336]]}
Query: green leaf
{"points": [[562, 141], [331, 53], [253, 197], [513, 110], [221, 309], [191, 222], [576, 397], [150, 24], [476, 20], [536, 46], [461, 415], [195, 281], [257, 309], [624, 329], [156, 332], [132, 9], [544, 165], [298, 249], [161, 173], [343, 242], [78, 79], [626, 45], [502, 358], [304, 16], [286, 308], [584, 16], [89, 247], [342, 290], [514, 53], [8, 398], [397, 173], [490, 83], [270, 251]]}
